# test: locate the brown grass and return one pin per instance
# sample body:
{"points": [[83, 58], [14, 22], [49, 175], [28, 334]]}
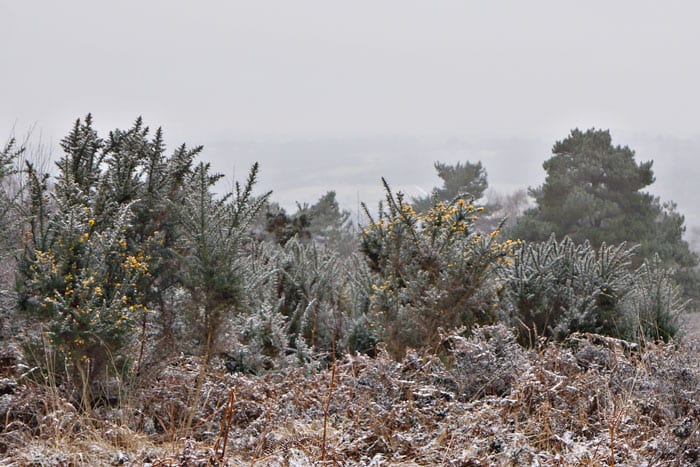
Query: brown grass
{"points": [[480, 401]]}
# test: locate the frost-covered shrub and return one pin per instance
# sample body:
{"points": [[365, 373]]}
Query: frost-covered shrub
{"points": [[302, 300], [361, 334], [258, 341], [82, 281], [211, 266], [655, 304], [312, 285], [121, 231], [431, 270], [9, 233], [9, 154], [96, 242], [553, 289], [487, 363]]}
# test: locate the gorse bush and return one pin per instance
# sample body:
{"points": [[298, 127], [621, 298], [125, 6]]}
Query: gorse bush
{"points": [[85, 287], [79, 271], [123, 229], [211, 267], [432, 270], [553, 289], [656, 303], [11, 155], [9, 228], [312, 285], [302, 299]]}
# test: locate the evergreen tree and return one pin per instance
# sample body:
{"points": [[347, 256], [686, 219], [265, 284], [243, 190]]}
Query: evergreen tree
{"points": [[323, 222], [468, 180], [593, 192], [330, 225], [282, 227]]}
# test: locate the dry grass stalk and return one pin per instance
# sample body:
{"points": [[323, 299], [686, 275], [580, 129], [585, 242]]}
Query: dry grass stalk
{"points": [[226, 421], [326, 407]]}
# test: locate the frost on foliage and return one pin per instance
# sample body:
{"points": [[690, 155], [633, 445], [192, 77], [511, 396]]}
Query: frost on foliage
{"points": [[431, 269], [656, 303], [556, 288], [301, 301]]}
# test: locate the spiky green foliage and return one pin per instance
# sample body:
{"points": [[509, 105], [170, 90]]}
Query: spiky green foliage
{"points": [[99, 247], [10, 232], [432, 270], [140, 173], [361, 334], [259, 338], [302, 299], [211, 265], [85, 287], [9, 155], [77, 273], [656, 303], [556, 288]]}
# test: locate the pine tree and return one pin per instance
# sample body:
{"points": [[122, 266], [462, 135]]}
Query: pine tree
{"points": [[594, 192], [466, 180], [331, 225]]}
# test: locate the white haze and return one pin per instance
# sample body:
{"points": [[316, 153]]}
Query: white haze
{"points": [[334, 95]]}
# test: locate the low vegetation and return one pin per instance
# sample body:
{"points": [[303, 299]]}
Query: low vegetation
{"points": [[155, 321], [483, 400]]}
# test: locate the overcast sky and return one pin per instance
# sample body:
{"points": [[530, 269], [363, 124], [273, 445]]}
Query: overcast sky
{"points": [[336, 92]]}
